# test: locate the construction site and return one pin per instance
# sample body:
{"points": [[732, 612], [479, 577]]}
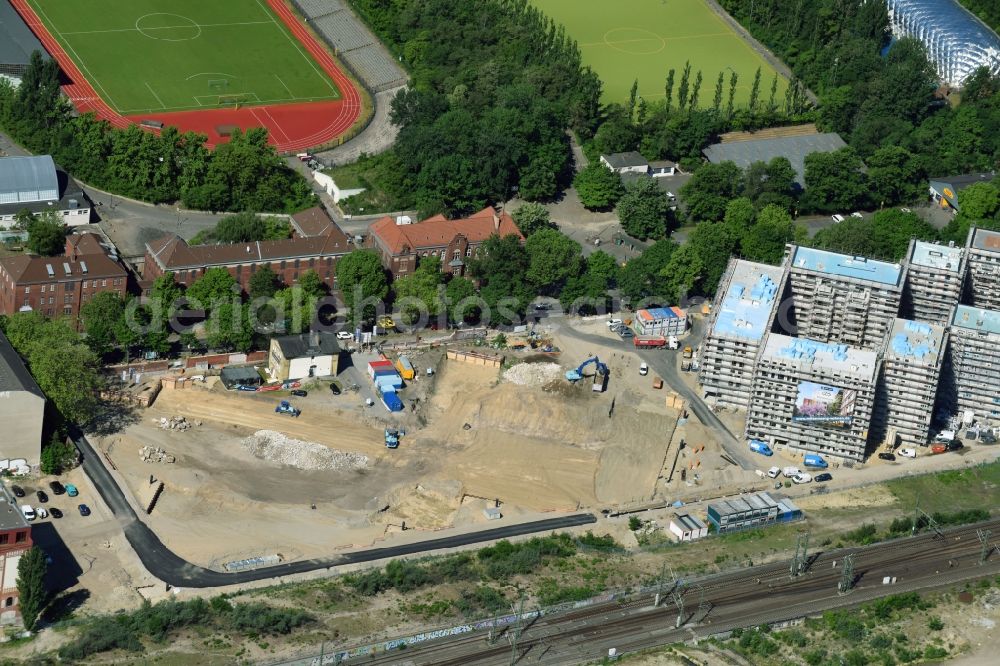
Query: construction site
{"points": [[486, 434]]}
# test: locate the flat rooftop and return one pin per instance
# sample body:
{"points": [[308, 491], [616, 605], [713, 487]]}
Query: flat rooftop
{"points": [[976, 319], [749, 300], [835, 358], [846, 266], [916, 341], [743, 504], [795, 148], [942, 257], [11, 517], [984, 239]]}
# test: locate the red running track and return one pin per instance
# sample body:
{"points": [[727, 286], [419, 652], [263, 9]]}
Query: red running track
{"points": [[291, 127]]}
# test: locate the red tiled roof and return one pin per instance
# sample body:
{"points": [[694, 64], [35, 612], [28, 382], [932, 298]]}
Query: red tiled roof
{"points": [[438, 232], [90, 254], [173, 253]]}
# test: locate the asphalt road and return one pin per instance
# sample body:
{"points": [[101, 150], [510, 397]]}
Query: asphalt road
{"points": [[715, 604], [168, 567]]}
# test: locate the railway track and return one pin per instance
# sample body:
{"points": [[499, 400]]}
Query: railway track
{"points": [[766, 594]]}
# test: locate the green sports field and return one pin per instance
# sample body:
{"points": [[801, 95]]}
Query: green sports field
{"points": [[174, 55], [642, 39]]}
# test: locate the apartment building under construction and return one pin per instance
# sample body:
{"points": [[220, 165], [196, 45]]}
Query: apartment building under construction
{"points": [[934, 282], [972, 381], [983, 287]]}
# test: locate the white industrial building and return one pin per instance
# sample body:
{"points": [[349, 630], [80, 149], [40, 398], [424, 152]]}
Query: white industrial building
{"points": [[686, 527], [34, 184], [22, 411], [300, 356]]}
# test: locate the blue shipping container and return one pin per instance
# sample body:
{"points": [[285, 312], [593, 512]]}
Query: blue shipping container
{"points": [[391, 401]]}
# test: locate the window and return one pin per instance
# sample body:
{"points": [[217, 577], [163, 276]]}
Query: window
{"points": [[66, 299], [27, 290], [468, 252], [20, 537], [104, 283], [66, 286], [283, 265], [43, 288], [67, 311], [312, 262], [51, 300], [458, 253], [4, 538]]}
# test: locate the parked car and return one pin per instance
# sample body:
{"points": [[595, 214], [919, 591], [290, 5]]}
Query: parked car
{"points": [[42, 497], [344, 335], [17, 490], [908, 453], [857, 214], [791, 472], [56, 488], [774, 472], [299, 393], [41, 513], [27, 512], [822, 478], [838, 218], [614, 322], [541, 307], [802, 478], [334, 388], [71, 490], [625, 332], [84, 510], [886, 456], [55, 513], [244, 387], [643, 369]]}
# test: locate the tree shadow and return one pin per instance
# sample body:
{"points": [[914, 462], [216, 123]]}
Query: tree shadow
{"points": [[64, 605], [111, 417]]}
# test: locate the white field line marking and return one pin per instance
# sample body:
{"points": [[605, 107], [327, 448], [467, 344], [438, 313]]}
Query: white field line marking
{"points": [[148, 87], [298, 47], [165, 27]]}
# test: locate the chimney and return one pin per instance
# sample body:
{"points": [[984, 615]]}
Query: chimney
{"points": [[496, 222]]}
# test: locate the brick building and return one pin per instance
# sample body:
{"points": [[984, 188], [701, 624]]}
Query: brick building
{"points": [[15, 540], [288, 258], [452, 241], [59, 286]]}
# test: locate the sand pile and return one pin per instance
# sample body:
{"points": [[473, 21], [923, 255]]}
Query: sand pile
{"points": [[533, 374], [276, 447]]}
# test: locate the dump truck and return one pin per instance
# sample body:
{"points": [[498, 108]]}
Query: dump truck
{"points": [[285, 407], [688, 352], [649, 341]]}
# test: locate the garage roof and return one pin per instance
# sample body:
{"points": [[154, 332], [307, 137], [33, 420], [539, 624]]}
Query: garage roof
{"points": [[26, 179], [16, 39], [795, 148]]}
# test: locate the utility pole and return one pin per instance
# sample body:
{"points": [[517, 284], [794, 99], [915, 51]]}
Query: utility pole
{"points": [[847, 576], [801, 558], [659, 585], [491, 638], [984, 538], [678, 596], [515, 636]]}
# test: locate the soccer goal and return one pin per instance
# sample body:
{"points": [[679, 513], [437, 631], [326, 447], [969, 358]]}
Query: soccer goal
{"points": [[218, 85], [233, 100]]}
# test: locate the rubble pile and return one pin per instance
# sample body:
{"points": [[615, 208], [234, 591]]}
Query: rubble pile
{"points": [[276, 447], [533, 374], [176, 423], [154, 454]]}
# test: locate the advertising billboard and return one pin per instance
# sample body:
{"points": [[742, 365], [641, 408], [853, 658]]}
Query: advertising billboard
{"points": [[823, 405]]}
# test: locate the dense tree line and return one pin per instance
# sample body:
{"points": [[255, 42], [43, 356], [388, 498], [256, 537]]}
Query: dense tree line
{"points": [[495, 85], [244, 174], [243, 228], [878, 102]]}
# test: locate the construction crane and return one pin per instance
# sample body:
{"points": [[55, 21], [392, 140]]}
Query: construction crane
{"points": [[577, 375]]}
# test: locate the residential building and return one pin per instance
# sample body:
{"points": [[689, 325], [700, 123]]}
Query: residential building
{"points": [[59, 286], [984, 269], [312, 222], [22, 409], [840, 298], [622, 163], [911, 372], [945, 190], [662, 168], [972, 382], [738, 323], [686, 527], [35, 185], [813, 396], [311, 354], [454, 242], [288, 258], [15, 540], [935, 280], [792, 143], [748, 511], [661, 321]]}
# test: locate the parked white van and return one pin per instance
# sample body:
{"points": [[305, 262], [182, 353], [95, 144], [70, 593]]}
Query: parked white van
{"points": [[27, 512]]}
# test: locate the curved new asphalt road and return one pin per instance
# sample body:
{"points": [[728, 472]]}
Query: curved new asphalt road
{"points": [[168, 567]]}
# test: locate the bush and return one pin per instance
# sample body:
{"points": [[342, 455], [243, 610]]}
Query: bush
{"points": [[845, 625], [935, 624], [815, 656], [854, 657], [634, 523], [865, 534], [935, 652], [792, 637], [880, 642], [606, 542]]}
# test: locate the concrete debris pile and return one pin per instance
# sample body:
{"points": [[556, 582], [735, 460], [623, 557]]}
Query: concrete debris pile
{"points": [[176, 423], [154, 454], [276, 447], [533, 374]]}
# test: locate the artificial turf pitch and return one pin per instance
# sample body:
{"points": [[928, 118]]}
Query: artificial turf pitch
{"points": [[154, 55], [643, 39]]}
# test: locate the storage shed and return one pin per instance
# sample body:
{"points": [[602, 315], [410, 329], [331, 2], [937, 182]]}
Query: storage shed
{"points": [[687, 527]]}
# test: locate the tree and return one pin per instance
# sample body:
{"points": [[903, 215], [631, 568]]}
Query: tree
{"points": [[532, 217], [46, 235], [754, 92], [895, 176], [669, 88], [598, 186], [770, 183], [264, 283], [713, 243], [835, 182], [460, 292], [230, 327], [696, 90], [101, 317], [979, 201], [717, 98], [244, 228], [892, 230], [31, 590], [502, 265], [553, 258], [644, 210], [57, 455], [68, 374], [710, 189], [421, 290], [733, 80], [765, 240], [682, 272], [682, 90], [643, 277], [363, 283], [312, 284], [214, 287]]}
